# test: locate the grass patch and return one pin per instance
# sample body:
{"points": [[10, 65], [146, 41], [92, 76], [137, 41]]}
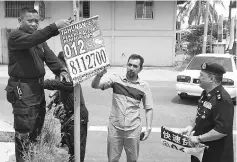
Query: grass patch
{"points": [[47, 149]]}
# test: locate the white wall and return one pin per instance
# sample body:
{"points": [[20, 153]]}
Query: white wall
{"points": [[125, 17], [57, 10], [54, 10], [104, 10], [153, 49], [123, 34], [153, 39]]}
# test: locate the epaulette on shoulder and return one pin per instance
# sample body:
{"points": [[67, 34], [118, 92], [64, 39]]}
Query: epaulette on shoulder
{"points": [[218, 95]]}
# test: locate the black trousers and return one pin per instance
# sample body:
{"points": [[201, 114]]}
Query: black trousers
{"points": [[28, 102], [215, 154], [68, 138], [83, 137]]}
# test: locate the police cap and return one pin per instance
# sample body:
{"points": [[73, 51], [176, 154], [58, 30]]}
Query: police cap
{"points": [[213, 68]]}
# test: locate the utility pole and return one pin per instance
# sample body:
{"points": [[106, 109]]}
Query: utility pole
{"points": [[76, 11], [205, 28], [214, 4]]}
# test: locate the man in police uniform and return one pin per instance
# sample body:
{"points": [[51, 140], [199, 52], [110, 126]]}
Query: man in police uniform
{"points": [[28, 51], [214, 120]]}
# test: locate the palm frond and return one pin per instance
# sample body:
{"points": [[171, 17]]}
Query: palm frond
{"points": [[213, 13], [195, 10], [221, 2], [184, 8], [194, 14]]}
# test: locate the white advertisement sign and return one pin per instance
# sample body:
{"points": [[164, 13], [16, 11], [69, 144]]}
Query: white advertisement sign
{"points": [[84, 49]]}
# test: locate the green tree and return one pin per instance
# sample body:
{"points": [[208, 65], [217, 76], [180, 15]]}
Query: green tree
{"points": [[194, 38], [195, 10], [231, 5]]}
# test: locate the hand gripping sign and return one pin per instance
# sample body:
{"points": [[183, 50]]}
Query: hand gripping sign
{"points": [[84, 49], [170, 138]]}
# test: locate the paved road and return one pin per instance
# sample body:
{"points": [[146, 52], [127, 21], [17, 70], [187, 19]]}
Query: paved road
{"points": [[169, 111]]}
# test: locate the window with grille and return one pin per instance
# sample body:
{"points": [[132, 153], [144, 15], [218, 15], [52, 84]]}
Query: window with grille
{"points": [[13, 8], [144, 9], [85, 9]]}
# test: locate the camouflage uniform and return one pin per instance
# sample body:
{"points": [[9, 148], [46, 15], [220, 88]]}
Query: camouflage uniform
{"points": [[65, 113]]}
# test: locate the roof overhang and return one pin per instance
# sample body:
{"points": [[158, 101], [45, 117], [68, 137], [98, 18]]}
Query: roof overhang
{"points": [[179, 2]]}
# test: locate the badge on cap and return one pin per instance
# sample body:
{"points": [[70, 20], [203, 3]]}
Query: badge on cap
{"points": [[207, 105], [204, 66]]}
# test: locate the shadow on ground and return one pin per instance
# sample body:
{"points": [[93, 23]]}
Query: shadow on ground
{"points": [[186, 101]]}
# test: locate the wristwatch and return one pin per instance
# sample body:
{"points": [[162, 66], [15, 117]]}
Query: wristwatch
{"points": [[199, 138]]}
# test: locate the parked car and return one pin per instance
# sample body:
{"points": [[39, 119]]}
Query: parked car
{"points": [[188, 82]]}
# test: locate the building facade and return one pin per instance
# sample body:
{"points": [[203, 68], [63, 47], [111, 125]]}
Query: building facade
{"points": [[147, 28]]}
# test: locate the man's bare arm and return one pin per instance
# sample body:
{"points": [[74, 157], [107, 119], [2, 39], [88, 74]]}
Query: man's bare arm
{"points": [[96, 81], [149, 118]]}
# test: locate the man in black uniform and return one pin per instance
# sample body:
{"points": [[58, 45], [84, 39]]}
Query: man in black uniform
{"points": [[214, 120], [66, 112], [27, 53]]}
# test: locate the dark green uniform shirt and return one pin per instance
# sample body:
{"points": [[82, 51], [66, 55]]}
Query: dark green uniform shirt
{"points": [[28, 52], [216, 111]]}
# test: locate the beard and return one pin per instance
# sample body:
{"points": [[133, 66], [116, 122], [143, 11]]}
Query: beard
{"points": [[130, 74]]}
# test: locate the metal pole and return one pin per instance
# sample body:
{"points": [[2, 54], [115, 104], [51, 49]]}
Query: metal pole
{"points": [[205, 28], [214, 4], [76, 10], [77, 123], [220, 29], [232, 30], [236, 40]]}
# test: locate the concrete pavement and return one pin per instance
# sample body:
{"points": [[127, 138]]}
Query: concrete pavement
{"points": [[148, 73], [7, 147], [6, 129]]}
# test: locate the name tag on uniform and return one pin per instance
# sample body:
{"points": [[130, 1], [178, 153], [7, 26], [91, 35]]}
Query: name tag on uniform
{"points": [[207, 105]]}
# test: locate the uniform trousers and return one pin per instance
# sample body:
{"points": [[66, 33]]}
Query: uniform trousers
{"points": [[28, 102]]}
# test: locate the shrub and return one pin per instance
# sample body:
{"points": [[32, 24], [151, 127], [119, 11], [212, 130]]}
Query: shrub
{"points": [[46, 149]]}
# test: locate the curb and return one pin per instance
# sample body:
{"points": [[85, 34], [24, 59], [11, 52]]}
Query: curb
{"points": [[7, 136], [7, 133]]}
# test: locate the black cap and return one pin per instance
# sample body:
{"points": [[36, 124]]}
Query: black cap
{"points": [[213, 68]]}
